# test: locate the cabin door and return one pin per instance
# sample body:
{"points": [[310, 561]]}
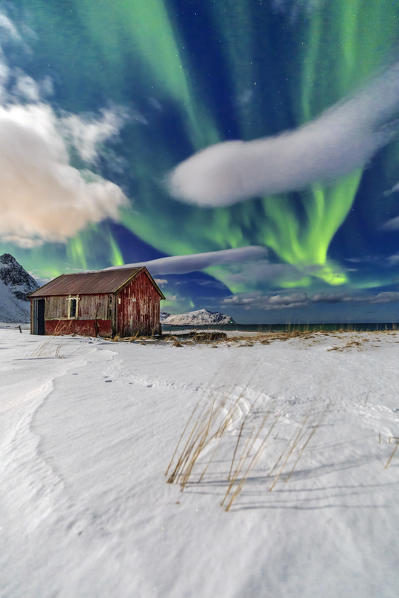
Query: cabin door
{"points": [[38, 316]]}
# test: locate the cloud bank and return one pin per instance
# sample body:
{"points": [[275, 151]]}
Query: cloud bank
{"points": [[183, 264], [295, 300], [342, 139], [43, 197]]}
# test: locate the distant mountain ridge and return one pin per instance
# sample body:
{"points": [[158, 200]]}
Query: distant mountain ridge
{"points": [[198, 317], [15, 286]]}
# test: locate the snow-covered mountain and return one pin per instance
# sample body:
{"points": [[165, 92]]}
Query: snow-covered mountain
{"points": [[163, 316], [198, 317], [15, 285]]}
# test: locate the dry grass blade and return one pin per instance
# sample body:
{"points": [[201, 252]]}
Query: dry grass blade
{"points": [[309, 438], [236, 447], [187, 449], [40, 349], [251, 465], [181, 438], [300, 453], [387, 464], [205, 439], [241, 461], [201, 438], [192, 440], [252, 438], [239, 438], [245, 454], [283, 453], [290, 451], [219, 433], [198, 444]]}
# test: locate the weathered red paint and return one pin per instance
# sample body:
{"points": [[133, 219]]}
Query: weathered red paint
{"points": [[81, 327], [138, 307]]}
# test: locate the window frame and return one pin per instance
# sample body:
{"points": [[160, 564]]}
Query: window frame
{"points": [[69, 300]]}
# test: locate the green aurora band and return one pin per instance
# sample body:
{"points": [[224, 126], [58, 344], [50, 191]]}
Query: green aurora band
{"points": [[275, 73]]}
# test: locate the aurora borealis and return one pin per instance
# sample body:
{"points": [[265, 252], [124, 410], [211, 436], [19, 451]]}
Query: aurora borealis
{"points": [[160, 80]]}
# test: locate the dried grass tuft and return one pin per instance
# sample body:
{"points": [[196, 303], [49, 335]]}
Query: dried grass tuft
{"points": [[251, 464], [207, 425]]}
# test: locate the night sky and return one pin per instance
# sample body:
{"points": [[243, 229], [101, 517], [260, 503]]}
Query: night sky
{"points": [[101, 103]]}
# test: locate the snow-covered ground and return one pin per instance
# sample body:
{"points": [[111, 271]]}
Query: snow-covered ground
{"points": [[88, 427]]}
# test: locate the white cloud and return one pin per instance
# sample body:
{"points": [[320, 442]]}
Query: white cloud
{"points": [[4, 74], [392, 224], [87, 134], [342, 139], [42, 197], [261, 271], [268, 302], [386, 297], [183, 264], [8, 27], [394, 189], [26, 88]]}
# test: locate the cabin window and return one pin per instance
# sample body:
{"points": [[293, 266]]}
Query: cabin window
{"points": [[72, 307]]}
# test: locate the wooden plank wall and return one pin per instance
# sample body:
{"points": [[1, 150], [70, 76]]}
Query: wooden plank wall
{"points": [[90, 307], [138, 308]]}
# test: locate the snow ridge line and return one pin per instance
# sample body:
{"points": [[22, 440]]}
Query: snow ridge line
{"points": [[46, 398], [23, 461]]}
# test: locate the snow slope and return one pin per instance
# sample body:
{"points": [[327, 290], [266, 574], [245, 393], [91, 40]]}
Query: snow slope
{"points": [[11, 308], [15, 285], [87, 428], [198, 317]]}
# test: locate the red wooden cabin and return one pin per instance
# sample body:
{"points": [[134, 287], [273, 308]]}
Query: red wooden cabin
{"points": [[122, 302]]}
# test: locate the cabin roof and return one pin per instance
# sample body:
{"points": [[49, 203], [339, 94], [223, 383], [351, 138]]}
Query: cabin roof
{"points": [[92, 283]]}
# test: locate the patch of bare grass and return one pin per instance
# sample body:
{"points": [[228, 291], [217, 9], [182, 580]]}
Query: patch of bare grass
{"points": [[209, 424], [47, 350], [205, 429], [351, 344]]}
